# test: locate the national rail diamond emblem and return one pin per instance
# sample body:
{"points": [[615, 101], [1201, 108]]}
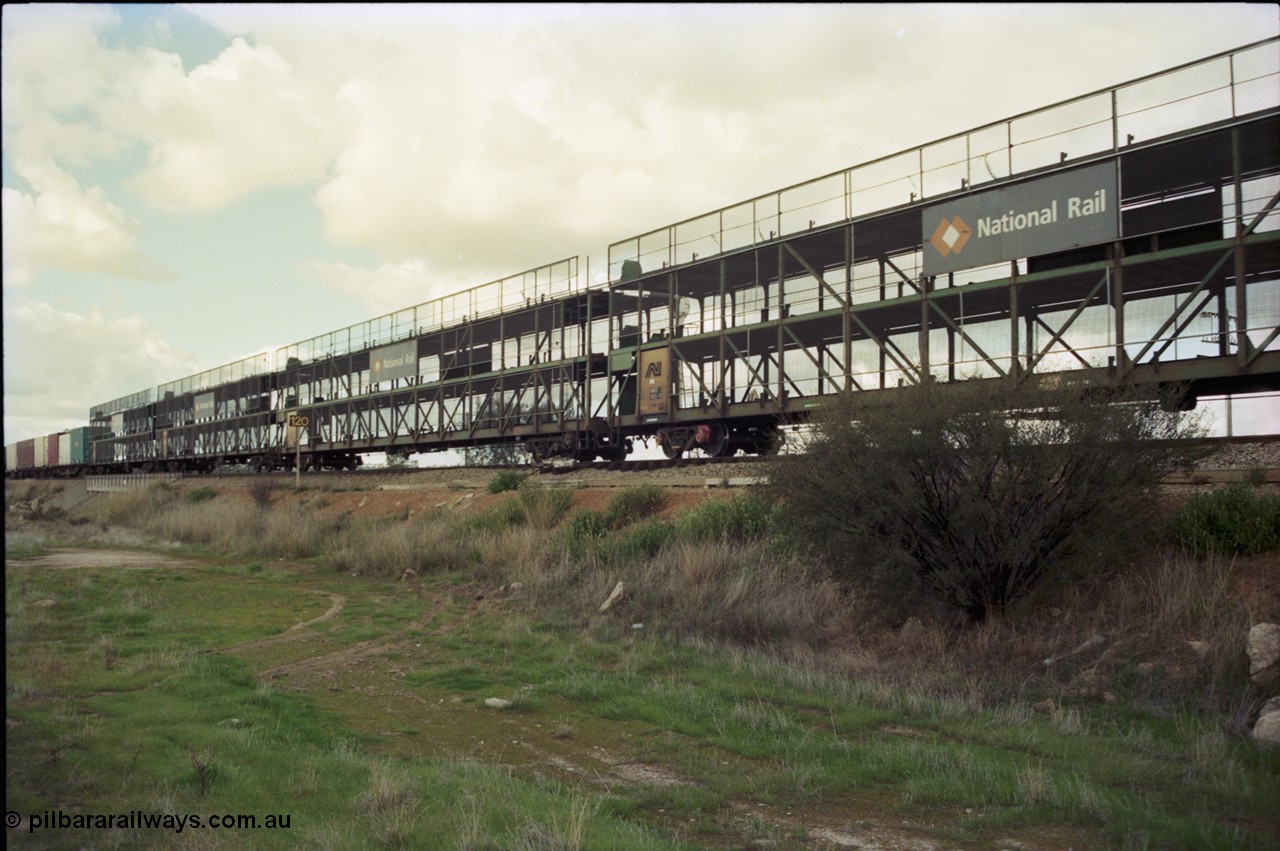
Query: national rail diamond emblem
{"points": [[951, 236]]}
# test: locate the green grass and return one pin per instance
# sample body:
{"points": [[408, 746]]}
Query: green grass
{"points": [[116, 705], [1234, 520], [122, 695]]}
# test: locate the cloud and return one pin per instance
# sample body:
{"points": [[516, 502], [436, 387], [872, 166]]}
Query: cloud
{"points": [[64, 226], [58, 364], [391, 286], [244, 122]]}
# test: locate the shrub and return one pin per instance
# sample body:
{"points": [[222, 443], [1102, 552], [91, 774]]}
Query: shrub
{"points": [[583, 531], [543, 506], [507, 480], [973, 494], [634, 503], [744, 517], [262, 490], [201, 495], [510, 512], [640, 541], [1234, 520]]}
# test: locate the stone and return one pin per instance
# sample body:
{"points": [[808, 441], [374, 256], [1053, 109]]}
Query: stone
{"points": [[497, 703], [1267, 729], [614, 597], [912, 630], [1200, 648], [1263, 650]]}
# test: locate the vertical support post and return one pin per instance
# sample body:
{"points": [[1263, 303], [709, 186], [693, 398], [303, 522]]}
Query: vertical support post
{"points": [[782, 301], [1015, 359], [926, 287], [847, 319], [1117, 284], [587, 356], [725, 371], [1242, 302]]}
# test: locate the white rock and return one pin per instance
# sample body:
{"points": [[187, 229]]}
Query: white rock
{"points": [[1267, 729], [613, 598], [1263, 650], [497, 703]]}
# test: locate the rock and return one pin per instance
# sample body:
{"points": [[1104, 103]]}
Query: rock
{"points": [[497, 703], [1094, 641], [1263, 650], [44, 604], [1200, 648], [613, 597], [912, 630], [1267, 729], [408, 574]]}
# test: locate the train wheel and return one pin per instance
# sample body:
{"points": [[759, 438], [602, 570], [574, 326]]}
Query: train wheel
{"points": [[672, 451], [771, 442], [717, 443]]}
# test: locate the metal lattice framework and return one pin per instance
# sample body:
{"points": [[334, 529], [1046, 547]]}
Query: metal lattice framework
{"points": [[764, 308]]}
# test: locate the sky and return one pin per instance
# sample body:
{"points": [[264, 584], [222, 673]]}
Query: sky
{"points": [[184, 186]]}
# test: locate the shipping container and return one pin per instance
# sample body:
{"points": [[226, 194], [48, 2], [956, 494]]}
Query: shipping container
{"points": [[11, 457], [64, 448], [42, 452], [26, 454], [54, 457], [78, 452]]}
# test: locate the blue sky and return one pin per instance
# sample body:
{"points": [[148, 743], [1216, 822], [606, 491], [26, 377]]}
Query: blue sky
{"points": [[185, 186]]}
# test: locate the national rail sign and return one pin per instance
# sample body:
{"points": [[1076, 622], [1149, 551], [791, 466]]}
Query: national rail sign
{"points": [[391, 362], [1055, 213]]}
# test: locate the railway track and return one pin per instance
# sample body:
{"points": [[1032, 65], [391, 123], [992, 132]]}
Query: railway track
{"points": [[1233, 459]]}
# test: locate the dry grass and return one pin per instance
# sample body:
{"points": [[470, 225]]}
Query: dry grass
{"points": [[1123, 637]]}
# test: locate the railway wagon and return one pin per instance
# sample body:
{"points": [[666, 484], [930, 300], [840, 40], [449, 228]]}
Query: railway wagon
{"points": [[1128, 236], [62, 454]]}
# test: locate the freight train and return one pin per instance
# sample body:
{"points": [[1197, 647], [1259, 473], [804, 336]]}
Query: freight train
{"points": [[715, 333]]}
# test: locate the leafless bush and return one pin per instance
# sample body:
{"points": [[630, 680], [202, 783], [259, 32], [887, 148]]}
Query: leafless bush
{"points": [[263, 491], [1169, 634], [975, 494]]}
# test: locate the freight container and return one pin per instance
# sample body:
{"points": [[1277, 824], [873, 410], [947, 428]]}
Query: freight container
{"points": [[26, 454], [64, 448], [42, 453], [78, 451], [11, 457], [54, 456]]}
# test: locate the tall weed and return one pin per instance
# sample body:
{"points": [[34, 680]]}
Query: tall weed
{"points": [[1234, 520], [633, 504], [744, 517]]}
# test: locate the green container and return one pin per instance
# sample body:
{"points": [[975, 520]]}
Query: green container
{"points": [[79, 447]]}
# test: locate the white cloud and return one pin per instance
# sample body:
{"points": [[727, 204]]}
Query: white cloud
{"points": [[392, 286], [58, 364], [64, 226], [246, 121]]}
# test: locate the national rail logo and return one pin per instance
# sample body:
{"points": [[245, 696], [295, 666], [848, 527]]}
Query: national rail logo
{"points": [[951, 236]]}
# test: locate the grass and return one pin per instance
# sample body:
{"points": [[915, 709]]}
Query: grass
{"points": [[748, 693], [1237, 519]]}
